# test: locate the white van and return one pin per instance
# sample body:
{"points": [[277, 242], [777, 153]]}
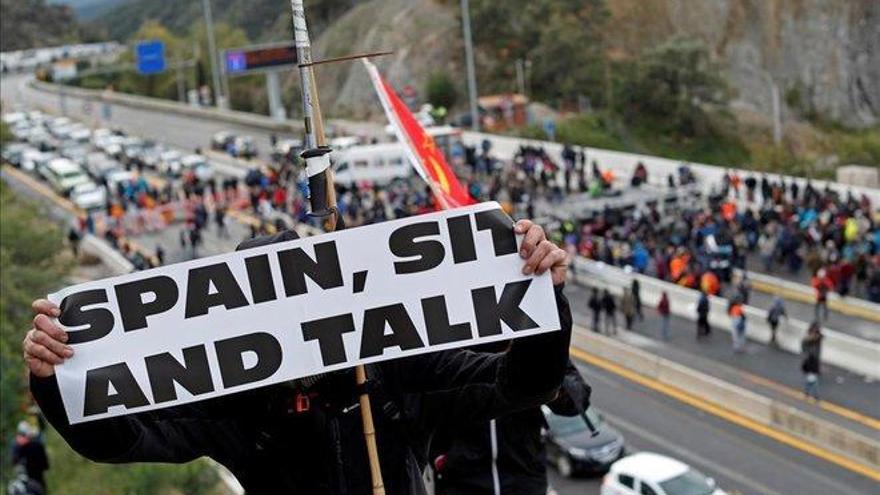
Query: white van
{"points": [[64, 175], [374, 163]]}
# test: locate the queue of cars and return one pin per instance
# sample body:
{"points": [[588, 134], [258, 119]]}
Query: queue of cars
{"points": [[587, 445], [83, 164]]}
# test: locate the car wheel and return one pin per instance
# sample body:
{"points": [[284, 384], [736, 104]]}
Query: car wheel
{"points": [[563, 465]]}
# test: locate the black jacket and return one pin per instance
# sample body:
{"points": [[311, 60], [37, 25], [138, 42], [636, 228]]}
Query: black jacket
{"points": [[272, 448], [511, 442]]}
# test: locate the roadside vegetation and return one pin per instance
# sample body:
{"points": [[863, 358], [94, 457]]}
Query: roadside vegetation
{"points": [[34, 262]]}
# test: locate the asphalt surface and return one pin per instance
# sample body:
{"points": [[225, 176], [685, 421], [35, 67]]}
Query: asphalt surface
{"points": [[740, 460]]}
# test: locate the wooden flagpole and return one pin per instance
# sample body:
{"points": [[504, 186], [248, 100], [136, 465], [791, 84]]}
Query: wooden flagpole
{"points": [[316, 141]]}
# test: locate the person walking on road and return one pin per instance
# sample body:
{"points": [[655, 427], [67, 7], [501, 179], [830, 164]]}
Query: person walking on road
{"points": [[595, 305], [703, 328], [610, 308], [628, 308], [663, 309], [738, 318], [811, 350], [220, 220], [637, 296], [774, 315], [744, 288], [821, 284]]}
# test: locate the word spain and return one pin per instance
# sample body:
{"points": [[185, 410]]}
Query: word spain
{"points": [[264, 315]]}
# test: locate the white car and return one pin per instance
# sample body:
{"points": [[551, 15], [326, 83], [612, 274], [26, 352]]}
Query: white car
{"points": [[64, 175], [89, 196], [119, 177], [33, 160], [654, 474], [200, 167]]}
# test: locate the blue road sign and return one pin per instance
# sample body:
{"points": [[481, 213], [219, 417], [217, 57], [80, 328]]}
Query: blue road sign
{"points": [[150, 56]]}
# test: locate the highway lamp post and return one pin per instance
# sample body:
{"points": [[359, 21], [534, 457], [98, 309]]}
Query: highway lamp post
{"points": [[219, 97], [521, 76], [469, 59]]}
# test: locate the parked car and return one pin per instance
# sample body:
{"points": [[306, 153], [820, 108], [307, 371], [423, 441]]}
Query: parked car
{"points": [[286, 148], [646, 473], [13, 153], [89, 196], [198, 165], [243, 147], [169, 162], [98, 165], [573, 448], [33, 160], [117, 177], [76, 153], [150, 156], [221, 140], [64, 175]]}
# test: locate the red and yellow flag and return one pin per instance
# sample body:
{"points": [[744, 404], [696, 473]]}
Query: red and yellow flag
{"points": [[426, 158]]}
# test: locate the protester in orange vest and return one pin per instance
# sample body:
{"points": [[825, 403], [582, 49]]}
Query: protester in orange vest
{"points": [[709, 283], [738, 318], [728, 211], [822, 284], [678, 264]]}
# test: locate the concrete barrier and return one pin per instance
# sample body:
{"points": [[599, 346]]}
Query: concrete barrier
{"points": [[503, 146], [842, 350], [658, 168], [763, 410], [113, 259], [263, 122], [853, 306]]}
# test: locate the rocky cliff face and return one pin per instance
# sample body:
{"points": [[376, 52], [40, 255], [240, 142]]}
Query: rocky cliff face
{"points": [[824, 55], [424, 35]]}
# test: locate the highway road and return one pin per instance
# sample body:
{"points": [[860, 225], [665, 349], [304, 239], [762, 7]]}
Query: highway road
{"points": [[742, 460]]}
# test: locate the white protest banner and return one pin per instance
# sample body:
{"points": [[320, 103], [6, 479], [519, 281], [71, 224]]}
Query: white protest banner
{"points": [[251, 318]]}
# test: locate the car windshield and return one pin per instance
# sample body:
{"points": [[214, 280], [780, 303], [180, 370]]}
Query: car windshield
{"points": [[566, 425], [72, 174], [691, 482]]}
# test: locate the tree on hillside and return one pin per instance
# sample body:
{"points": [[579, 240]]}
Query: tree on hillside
{"points": [[440, 90], [561, 38], [673, 83], [33, 23]]}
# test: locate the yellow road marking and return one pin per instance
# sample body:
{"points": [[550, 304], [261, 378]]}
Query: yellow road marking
{"points": [[833, 304], [728, 415], [828, 406]]}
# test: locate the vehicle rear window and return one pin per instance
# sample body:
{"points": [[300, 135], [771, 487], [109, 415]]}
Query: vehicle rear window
{"points": [[646, 489], [626, 480], [566, 425]]}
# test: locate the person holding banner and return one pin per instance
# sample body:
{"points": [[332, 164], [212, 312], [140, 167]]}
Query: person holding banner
{"points": [[306, 435]]}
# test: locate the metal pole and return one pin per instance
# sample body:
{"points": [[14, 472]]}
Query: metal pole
{"points": [[219, 98], [777, 112], [316, 156], [181, 90], [469, 58], [520, 76], [273, 90]]}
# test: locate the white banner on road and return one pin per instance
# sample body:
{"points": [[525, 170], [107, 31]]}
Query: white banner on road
{"points": [[238, 321]]}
